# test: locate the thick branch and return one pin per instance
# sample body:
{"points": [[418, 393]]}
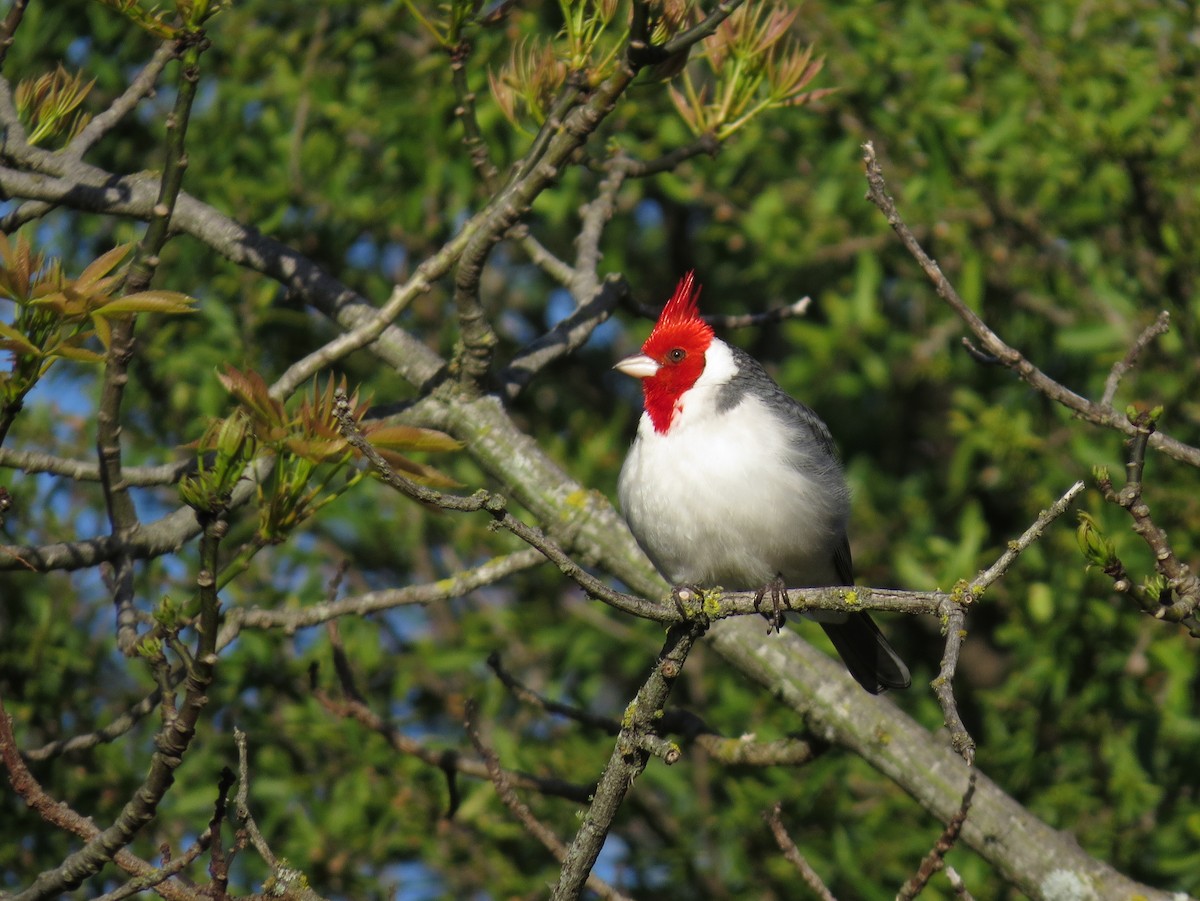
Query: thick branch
{"points": [[1024, 849]]}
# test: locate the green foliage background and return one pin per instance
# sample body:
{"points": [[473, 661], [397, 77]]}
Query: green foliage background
{"points": [[1045, 154]]}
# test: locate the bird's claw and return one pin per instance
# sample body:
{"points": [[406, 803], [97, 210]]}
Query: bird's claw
{"points": [[780, 602], [682, 596]]}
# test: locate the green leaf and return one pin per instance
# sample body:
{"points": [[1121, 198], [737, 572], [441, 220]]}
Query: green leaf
{"points": [[150, 302], [101, 266], [403, 437]]}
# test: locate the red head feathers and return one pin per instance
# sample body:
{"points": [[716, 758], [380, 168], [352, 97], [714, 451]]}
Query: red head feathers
{"points": [[677, 344]]}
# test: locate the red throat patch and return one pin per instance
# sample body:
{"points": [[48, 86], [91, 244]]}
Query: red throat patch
{"points": [[677, 343]]}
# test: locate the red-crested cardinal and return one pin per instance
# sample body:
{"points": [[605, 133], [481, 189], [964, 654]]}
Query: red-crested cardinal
{"points": [[730, 482]]}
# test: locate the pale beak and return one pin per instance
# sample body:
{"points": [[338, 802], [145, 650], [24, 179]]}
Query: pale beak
{"points": [[639, 366]]}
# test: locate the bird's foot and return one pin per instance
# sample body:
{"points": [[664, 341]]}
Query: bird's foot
{"points": [[688, 600], [780, 602]]}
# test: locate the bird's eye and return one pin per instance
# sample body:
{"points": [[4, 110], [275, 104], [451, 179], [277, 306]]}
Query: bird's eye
{"points": [[676, 355]]}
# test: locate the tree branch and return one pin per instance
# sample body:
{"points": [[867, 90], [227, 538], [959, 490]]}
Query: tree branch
{"points": [[171, 743], [936, 858], [774, 819], [62, 816], [1095, 413], [140, 87], [520, 810], [629, 758], [8, 29]]}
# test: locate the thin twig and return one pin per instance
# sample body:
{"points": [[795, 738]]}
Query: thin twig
{"points": [[1035, 531], [936, 858], [1181, 597], [741, 751], [519, 809], [1160, 326], [565, 337], [792, 853], [367, 330], [791, 310], [24, 214], [455, 586], [943, 686], [956, 883], [524, 693], [218, 862], [702, 29], [953, 616], [139, 88], [1096, 413], [8, 29], [705, 144], [477, 148], [541, 256], [241, 809]]}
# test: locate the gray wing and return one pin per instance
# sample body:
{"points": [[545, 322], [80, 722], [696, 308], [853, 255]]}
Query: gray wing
{"points": [[872, 661], [752, 378]]}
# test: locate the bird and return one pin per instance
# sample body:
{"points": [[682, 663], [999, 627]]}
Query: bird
{"points": [[732, 482]]}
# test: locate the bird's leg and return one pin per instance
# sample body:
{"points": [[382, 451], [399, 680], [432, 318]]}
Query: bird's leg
{"points": [[779, 603]]}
